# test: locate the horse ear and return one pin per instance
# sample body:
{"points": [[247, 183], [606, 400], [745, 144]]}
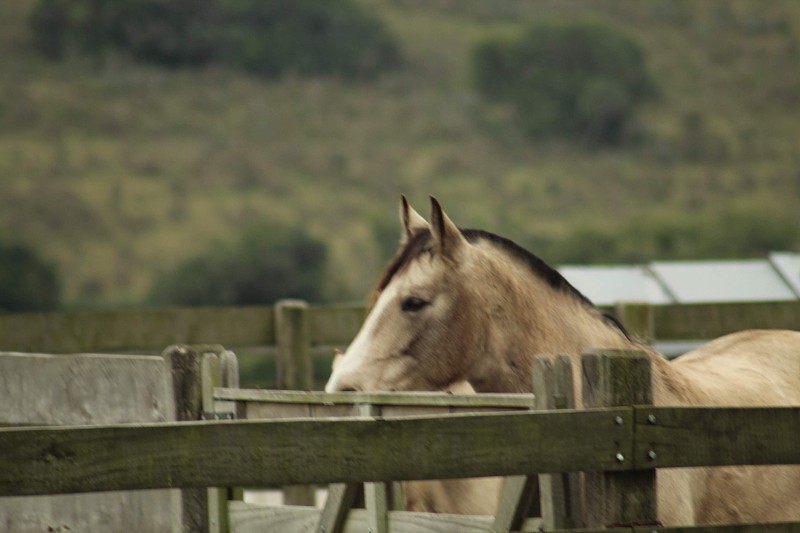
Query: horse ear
{"points": [[411, 220], [448, 239]]}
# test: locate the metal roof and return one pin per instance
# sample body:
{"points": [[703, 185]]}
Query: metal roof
{"points": [[772, 279]]}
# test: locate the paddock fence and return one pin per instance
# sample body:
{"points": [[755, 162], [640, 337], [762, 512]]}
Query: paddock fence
{"points": [[202, 400], [619, 446]]}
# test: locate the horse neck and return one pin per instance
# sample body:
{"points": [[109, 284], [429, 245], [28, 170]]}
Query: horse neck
{"points": [[527, 317]]}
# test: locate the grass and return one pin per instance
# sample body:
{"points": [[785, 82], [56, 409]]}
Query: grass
{"points": [[118, 172]]}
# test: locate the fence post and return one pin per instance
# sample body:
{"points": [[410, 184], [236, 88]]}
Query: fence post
{"points": [[613, 378], [186, 365], [637, 317], [556, 497], [294, 369], [574, 514]]}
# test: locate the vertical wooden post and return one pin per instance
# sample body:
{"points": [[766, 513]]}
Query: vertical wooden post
{"points": [[560, 493], [613, 378], [376, 494], [229, 378], [211, 377], [294, 370], [564, 398], [638, 320], [187, 389], [551, 490], [543, 493], [293, 341]]}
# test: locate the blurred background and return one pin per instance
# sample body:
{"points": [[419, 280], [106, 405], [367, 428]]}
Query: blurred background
{"points": [[188, 152]]}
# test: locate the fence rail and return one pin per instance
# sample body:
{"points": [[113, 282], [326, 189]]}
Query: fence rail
{"points": [[232, 327], [52, 460], [626, 444]]}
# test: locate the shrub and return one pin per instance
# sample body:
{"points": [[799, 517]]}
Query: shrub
{"points": [[305, 37], [579, 80], [265, 264], [272, 38], [27, 283], [735, 233]]}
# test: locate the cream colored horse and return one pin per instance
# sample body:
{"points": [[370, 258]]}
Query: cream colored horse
{"points": [[473, 496], [467, 305]]}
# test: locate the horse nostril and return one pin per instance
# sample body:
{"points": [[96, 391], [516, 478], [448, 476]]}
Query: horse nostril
{"points": [[348, 389]]}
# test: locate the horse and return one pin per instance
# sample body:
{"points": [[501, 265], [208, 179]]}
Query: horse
{"points": [[467, 496], [469, 305]]}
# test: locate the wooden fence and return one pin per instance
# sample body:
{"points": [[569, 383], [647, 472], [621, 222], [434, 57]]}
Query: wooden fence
{"points": [[294, 328], [622, 445]]}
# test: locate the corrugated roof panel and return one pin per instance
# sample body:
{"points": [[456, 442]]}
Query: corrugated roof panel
{"points": [[607, 285], [722, 281], [788, 265]]}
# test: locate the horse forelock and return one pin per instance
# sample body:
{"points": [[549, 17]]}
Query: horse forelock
{"points": [[420, 242], [415, 246]]}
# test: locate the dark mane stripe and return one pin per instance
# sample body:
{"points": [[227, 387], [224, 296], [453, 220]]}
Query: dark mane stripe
{"points": [[537, 265], [420, 243]]}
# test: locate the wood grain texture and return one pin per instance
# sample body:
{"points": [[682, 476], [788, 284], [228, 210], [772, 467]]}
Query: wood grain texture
{"points": [[246, 518], [716, 436], [709, 321], [610, 378], [519, 401], [269, 453], [147, 330]]}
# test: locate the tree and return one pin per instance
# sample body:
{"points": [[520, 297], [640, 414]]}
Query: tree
{"points": [[580, 80], [263, 265], [308, 37], [27, 282]]}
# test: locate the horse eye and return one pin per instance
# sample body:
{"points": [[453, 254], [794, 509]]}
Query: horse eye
{"points": [[413, 304]]}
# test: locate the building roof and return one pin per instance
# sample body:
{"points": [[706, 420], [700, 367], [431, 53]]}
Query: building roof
{"points": [[775, 278]]}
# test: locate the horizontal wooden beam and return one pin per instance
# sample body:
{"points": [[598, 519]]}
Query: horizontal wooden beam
{"points": [[436, 399], [776, 527], [249, 518], [301, 451], [701, 436], [55, 460], [149, 330], [335, 325], [709, 321]]}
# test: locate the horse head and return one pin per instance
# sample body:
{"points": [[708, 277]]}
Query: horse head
{"points": [[407, 341]]}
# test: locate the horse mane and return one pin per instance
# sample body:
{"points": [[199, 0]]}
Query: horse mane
{"points": [[421, 242]]}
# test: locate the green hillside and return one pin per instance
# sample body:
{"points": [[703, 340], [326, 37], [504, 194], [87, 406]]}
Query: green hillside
{"points": [[117, 172]]}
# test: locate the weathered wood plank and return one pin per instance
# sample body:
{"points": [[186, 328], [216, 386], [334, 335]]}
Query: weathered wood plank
{"points": [[256, 519], [247, 518], [708, 321], [716, 436], [148, 330], [515, 499], [341, 497], [333, 325], [637, 319], [152, 329], [83, 389], [186, 365], [294, 371], [565, 399], [778, 527], [518, 401], [610, 378], [269, 453]]}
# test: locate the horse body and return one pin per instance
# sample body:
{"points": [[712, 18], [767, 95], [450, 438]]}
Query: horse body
{"points": [[473, 496], [467, 305]]}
